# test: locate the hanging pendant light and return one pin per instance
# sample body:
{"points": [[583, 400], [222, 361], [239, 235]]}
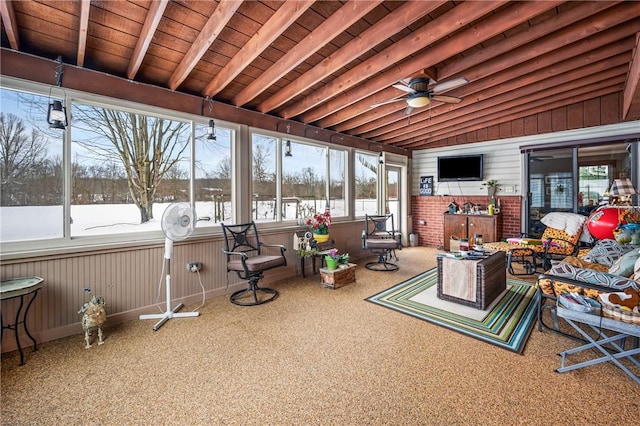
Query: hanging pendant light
{"points": [[57, 115], [211, 131], [57, 112]]}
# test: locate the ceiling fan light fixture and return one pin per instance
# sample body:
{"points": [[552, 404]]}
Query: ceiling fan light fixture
{"points": [[418, 101]]}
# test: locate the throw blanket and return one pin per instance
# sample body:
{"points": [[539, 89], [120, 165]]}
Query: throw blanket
{"points": [[459, 278], [570, 223]]}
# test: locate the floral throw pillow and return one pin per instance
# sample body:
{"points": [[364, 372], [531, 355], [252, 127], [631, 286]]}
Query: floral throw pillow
{"points": [[606, 252]]}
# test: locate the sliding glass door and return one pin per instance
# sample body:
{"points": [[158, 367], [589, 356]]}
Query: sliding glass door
{"points": [[575, 179]]}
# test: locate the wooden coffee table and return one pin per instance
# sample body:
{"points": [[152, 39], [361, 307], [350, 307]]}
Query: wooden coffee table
{"points": [[474, 283]]}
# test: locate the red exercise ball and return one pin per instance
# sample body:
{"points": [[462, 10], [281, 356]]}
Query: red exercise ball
{"points": [[602, 222]]}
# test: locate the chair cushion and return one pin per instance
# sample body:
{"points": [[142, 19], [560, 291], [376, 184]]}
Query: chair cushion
{"points": [[381, 243], [256, 263], [581, 263], [569, 223], [561, 238]]}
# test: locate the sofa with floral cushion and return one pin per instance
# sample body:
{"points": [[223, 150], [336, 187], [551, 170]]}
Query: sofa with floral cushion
{"points": [[606, 268]]}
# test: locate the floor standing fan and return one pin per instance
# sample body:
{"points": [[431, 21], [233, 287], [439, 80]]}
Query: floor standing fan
{"points": [[178, 222]]}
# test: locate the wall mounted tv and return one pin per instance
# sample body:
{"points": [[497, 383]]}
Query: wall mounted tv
{"points": [[460, 167]]}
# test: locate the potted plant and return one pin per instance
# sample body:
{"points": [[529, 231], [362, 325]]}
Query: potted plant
{"points": [[333, 259], [319, 225], [492, 187]]}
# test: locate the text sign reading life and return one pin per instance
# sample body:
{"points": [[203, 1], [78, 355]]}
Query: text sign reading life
{"points": [[426, 185]]}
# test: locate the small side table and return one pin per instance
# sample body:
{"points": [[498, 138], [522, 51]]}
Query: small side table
{"points": [[323, 250], [22, 288], [598, 324]]}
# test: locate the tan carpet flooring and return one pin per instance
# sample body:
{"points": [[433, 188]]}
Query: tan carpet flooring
{"points": [[313, 356]]}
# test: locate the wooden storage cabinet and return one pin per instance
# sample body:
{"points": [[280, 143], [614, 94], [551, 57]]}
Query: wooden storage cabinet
{"points": [[467, 225]]}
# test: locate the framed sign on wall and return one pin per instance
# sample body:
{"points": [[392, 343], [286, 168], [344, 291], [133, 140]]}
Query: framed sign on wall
{"points": [[426, 185]]}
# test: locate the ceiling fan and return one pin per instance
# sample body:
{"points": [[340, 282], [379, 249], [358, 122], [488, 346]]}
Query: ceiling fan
{"points": [[420, 94]]}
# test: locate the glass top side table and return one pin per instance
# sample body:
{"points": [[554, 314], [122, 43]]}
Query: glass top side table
{"points": [[22, 288]]}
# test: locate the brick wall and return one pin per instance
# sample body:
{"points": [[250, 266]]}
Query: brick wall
{"points": [[431, 210]]}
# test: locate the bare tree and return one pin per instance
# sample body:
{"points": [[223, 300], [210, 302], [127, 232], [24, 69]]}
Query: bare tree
{"points": [[21, 154], [260, 163], [147, 147], [223, 169]]}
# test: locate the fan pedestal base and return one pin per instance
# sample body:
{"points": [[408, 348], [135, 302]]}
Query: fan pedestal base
{"points": [[168, 315]]}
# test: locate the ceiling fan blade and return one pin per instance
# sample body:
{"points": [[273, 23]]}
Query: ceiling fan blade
{"points": [[449, 84], [408, 110], [446, 99], [387, 102], [404, 88]]}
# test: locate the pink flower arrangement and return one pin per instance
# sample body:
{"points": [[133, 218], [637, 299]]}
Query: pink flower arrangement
{"points": [[319, 223]]}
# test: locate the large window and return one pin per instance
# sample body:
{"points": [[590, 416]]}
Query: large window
{"points": [[366, 177], [123, 168], [213, 175], [311, 176], [116, 167], [31, 170], [126, 169]]}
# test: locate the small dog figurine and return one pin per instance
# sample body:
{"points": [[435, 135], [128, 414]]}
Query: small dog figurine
{"points": [[93, 316]]}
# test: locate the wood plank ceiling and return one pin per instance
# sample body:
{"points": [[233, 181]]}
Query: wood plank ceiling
{"points": [[325, 63]]}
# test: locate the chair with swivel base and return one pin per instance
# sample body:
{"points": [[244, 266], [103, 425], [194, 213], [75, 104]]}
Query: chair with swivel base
{"points": [[380, 238], [246, 256]]}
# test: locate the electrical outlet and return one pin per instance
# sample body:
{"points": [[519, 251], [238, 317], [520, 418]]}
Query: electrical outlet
{"points": [[194, 266]]}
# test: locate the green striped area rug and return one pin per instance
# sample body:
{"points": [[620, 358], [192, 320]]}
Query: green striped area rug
{"points": [[506, 323]]}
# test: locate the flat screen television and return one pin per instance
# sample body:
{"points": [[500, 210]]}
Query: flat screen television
{"points": [[460, 167]]}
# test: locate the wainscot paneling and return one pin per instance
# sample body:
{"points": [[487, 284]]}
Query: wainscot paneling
{"points": [[131, 279]]}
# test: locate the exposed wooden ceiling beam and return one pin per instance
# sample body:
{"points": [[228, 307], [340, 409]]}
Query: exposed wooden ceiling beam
{"points": [[520, 105], [428, 34], [577, 12], [393, 23], [85, 5], [329, 29], [9, 22], [514, 14], [156, 10], [596, 73], [547, 52], [561, 100], [631, 98], [211, 30], [509, 80], [286, 15]]}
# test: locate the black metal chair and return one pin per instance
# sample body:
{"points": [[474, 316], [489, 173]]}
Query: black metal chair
{"points": [[381, 238], [245, 257]]}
